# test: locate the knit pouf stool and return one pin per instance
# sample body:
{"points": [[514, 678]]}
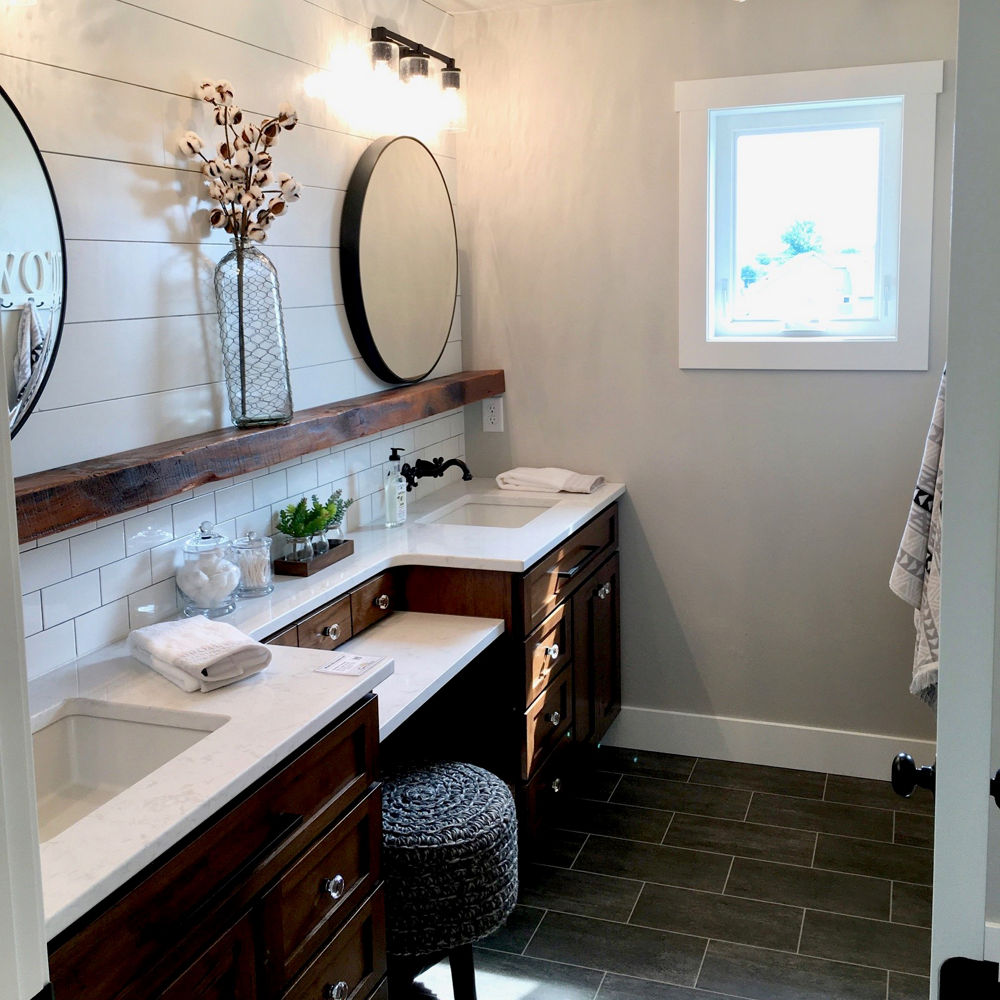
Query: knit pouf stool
{"points": [[450, 864]]}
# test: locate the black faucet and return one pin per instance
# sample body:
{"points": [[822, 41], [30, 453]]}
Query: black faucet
{"points": [[436, 468]]}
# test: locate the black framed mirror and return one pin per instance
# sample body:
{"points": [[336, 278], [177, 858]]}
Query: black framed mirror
{"points": [[32, 266], [399, 259]]}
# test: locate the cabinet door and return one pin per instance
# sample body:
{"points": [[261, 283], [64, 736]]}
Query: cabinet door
{"points": [[224, 971], [597, 653]]}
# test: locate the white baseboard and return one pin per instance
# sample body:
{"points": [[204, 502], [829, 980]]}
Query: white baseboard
{"points": [[991, 943], [864, 755]]}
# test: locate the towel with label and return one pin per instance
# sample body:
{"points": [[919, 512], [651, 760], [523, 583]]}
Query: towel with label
{"points": [[198, 654], [548, 481], [30, 342], [916, 574]]}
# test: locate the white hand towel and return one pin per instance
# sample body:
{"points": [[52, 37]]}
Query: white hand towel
{"points": [[548, 481], [30, 340], [198, 654]]}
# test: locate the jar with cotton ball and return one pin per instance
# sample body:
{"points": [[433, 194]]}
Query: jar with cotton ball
{"points": [[208, 577]]}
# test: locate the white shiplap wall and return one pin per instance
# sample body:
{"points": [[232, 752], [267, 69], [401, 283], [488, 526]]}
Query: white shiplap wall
{"points": [[106, 87]]}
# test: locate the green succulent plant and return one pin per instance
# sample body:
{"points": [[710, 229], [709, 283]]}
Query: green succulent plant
{"points": [[300, 520]]}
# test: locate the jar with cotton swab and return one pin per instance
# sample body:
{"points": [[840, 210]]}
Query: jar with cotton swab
{"points": [[253, 556]]}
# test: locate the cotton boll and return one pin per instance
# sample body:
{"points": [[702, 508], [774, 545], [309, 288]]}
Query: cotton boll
{"points": [[206, 91], [190, 143], [241, 158], [291, 189], [223, 92], [287, 116]]}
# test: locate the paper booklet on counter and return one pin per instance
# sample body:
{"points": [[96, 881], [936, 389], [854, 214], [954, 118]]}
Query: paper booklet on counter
{"points": [[353, 664]]}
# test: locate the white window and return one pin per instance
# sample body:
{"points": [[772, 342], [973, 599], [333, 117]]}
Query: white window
{"points": [[805, 218]]}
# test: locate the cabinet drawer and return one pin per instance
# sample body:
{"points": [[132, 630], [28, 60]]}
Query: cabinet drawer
{"points": [[226, 862], [546, 651], [354, 958], [290, 637], [547, 721], [224, 971], [322, 888], [540, 797], [328, 628], [555, 575], [372, 601]]}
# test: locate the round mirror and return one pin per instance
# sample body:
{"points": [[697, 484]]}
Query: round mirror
{"points": [[32, 266], [399, 259]]}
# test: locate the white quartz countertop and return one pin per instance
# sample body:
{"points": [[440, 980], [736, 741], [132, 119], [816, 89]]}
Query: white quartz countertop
{"points": [[273, 713], [424, 542]]}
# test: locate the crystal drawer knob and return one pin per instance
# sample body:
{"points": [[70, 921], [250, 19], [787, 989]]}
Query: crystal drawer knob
{"points": [[604, 591], [555, 718], [331, 632], [552, 652], [556, 785], [335, 991], [382, 602], [333, 887]]}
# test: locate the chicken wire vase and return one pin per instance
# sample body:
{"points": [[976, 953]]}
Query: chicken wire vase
{"points": [[254, 354]]}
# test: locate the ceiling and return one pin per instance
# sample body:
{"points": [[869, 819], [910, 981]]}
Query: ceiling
{"points": [[464, 6]]}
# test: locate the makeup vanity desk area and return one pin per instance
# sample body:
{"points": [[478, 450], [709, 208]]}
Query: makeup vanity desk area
{"points": [[506, 643]]}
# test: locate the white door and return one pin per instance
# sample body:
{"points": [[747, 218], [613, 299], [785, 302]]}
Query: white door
{"points": [[970, 626], [23, 965]]}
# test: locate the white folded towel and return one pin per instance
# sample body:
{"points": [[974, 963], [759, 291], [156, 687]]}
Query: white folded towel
{"points": [[548, 481], [30, 340], [198, 654]]}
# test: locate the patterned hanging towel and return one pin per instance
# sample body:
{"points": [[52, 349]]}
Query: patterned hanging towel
{"points": [[916, 575], [30, 341]]}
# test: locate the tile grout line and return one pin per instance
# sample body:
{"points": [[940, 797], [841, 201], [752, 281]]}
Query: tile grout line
{"points": [[701, 964], [749, 803], [601, 983], [638, 896], [691, 772], [576, 857], [812, 863], [541, 920], [892, 899], [894, 827], [802, 928], [732, 865], [826, 783], [621, 778], [886, 984]]}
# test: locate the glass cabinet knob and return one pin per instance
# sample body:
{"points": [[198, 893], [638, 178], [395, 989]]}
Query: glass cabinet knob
{"points": [[552, 651], [555, 718], [556, 785], [331, 632], [335, 991], [333, 887], [382, 602], [604, 591]]}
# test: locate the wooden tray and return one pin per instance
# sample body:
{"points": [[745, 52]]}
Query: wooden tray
{"points": [[286, 567]]}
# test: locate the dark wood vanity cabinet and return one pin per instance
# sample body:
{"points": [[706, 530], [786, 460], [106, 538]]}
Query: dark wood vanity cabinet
{"points": [[563, 644], [280, 889]]}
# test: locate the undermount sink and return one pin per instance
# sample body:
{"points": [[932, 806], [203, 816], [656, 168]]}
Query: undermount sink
{"points": [[493, 512], [90, 751]]}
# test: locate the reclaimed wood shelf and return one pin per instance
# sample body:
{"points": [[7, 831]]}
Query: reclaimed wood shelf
{"points": [[57, 499]]}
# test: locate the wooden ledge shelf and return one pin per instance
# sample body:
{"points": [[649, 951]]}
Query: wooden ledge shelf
{"points": [[57, 499]]}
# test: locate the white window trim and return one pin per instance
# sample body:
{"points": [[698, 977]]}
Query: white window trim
{"points": [[919, 84]]}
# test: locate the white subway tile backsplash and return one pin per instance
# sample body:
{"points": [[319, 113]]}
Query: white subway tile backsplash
{"points": [[119, 579], [31, 608], [44, 566], [165, 560], [155, 527], [153, 604], [190, 514], [101, 627], [97, 548], [270, 489], [302, 480], [255, 520], [331, 467], [359, 458], [233, 501], [49, 649], [73, 597]]}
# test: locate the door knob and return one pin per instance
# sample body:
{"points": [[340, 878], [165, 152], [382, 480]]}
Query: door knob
{"points": [[907, 777]]}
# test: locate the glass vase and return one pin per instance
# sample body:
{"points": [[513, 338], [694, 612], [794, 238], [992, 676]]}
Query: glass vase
{"points": [[253, 338], [319, 543], [302, 550]]}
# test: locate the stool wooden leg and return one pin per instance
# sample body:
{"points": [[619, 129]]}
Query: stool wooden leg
{"points": [[463, 972]]}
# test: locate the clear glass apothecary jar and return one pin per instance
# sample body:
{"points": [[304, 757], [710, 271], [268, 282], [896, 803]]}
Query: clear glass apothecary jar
{"points": [[253, 556], [209, 576]]}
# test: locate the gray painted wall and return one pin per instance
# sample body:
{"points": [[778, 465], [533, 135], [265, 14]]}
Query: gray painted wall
{"points": [[764, 508]]}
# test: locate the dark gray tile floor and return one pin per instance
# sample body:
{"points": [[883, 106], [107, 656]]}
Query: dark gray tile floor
{"points": [[670, 878]]}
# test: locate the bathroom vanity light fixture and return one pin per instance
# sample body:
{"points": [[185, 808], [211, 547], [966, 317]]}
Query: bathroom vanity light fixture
{"points": [[392, 54]]}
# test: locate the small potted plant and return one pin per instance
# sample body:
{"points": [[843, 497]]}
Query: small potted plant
{"points": [[306, 525]]}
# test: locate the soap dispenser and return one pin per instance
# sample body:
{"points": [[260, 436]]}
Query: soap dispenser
{"points": [[395, 491]]}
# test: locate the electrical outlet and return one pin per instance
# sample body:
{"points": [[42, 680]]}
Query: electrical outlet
{"points": [[493, 413]]}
